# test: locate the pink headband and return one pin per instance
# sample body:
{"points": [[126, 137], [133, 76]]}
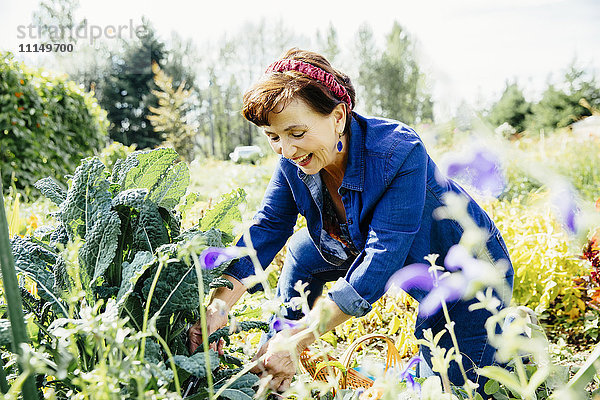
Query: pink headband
{"points": [[314, 72]]}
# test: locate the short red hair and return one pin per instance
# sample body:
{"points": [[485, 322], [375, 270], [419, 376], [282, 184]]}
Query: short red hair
{"points": [[282, 87]]}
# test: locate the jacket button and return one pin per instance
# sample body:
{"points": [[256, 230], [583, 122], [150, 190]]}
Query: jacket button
{"points": [[349, 221]]}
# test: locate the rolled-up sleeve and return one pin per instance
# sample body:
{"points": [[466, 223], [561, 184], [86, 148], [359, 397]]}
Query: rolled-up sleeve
{"points": [[395, 222], [273, 225]]}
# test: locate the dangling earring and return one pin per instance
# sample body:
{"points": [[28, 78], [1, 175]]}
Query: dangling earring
{"points": [[340, 146]]}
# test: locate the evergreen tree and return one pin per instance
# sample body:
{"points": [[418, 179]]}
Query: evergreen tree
{"points": [[367, 87], [127, 91], [328, 44], [169, 119], [559, 108], [394, 84], [511, 108]]}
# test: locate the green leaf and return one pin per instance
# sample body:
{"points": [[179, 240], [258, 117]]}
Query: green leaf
{"points": [[87, 200], [149, 231], [235, 394], [32, 257], [131, 273], [52, 190], [491, 387], [176, 290], [196, 364], [100, 245], [5, 333], [244, 384], [168, 191], [153, 352], [36, 261], [144, 169], [225, 214], [188, 203], [502, 376]]}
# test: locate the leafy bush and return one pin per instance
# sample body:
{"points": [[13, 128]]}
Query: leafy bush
{"points": [[539, 248], [47, 124], [117, 248]]}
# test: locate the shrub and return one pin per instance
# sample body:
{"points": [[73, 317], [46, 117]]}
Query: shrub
{"points": [[539, 248], [47, 124]]}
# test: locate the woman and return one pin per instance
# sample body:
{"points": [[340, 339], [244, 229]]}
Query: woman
{"points": [[368, 189]]}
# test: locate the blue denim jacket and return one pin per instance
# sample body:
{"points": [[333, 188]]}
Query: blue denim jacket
{"points": [[389, 191]]}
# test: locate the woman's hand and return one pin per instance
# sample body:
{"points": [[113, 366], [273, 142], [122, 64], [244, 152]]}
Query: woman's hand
{"points": [[216, 318], [275, 363]]}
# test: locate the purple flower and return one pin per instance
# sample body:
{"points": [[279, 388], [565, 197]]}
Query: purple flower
{"points": [[447, 289], [564, 200], [212, 257], [458, 258], [407, 376], [280, 323], [482, 171]]}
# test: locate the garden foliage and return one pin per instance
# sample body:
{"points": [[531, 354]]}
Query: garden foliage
{"points": [[117, 249], [47, 125], [539, 249]]}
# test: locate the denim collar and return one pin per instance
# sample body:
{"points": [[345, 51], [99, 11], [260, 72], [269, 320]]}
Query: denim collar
{"points": [[354, 176]]}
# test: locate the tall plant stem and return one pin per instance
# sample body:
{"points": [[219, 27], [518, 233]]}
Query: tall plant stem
{"points": [[147, 310], [522, 375], [450, 327], [3, 383], [12, 296], [209, 376]]}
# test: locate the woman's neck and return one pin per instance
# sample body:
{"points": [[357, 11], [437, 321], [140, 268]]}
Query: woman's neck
{"points": [[336, 170]]}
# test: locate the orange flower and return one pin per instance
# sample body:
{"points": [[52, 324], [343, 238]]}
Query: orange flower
{"points": [[20, 109], [598, 204], [37, 125], [18, 94], [373, 393], [22, 82]]}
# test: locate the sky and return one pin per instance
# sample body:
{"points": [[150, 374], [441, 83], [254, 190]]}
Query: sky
{"points": [[469, 48]]}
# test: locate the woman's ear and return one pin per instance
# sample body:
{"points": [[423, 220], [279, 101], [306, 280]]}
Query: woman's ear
{"points": [[339, 115]]}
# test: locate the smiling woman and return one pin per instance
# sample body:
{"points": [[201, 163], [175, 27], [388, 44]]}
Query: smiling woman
{"points": [[368, 190]]}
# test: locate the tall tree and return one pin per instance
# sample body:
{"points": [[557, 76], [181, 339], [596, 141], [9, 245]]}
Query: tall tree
{"points": [[55, 21], [401, 89], [223, 124], [511, 108], [127, 90], [392, 83], [169, 119], [367, 80], [562, 104], [328, 43]]}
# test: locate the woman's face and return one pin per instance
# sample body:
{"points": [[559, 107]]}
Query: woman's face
{"points": [[307, 138]]}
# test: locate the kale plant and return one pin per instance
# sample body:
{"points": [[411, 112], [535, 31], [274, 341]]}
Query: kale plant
{"points": [[125, 230]]}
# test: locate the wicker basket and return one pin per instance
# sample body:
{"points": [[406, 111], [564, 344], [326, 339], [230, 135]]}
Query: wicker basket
{"points": [[351, 379]]}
